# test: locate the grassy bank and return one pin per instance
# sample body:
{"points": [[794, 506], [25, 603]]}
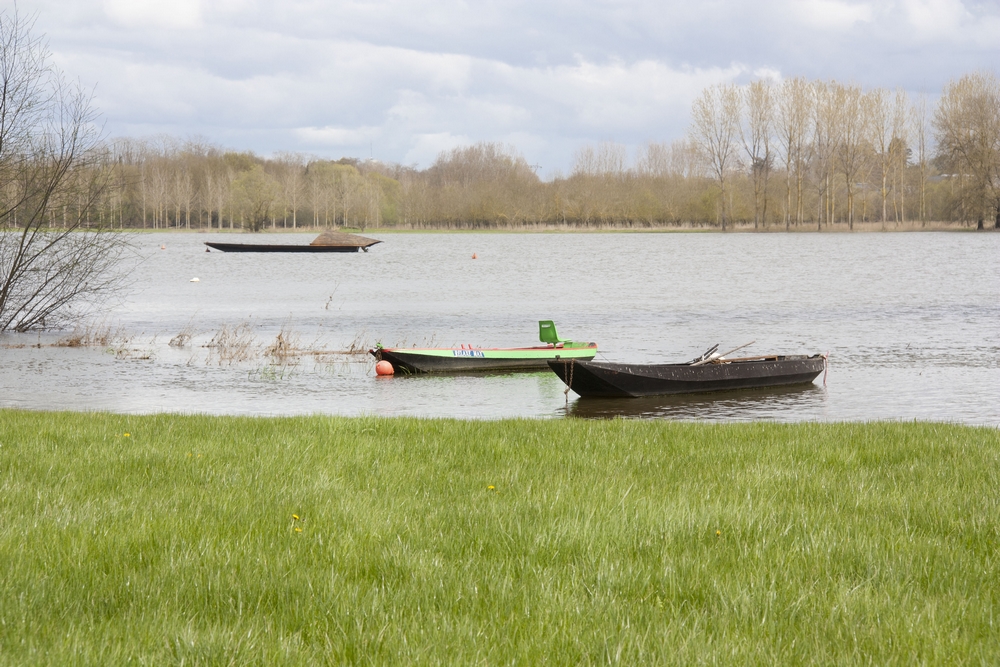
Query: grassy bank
{"points": [[199, 540]]}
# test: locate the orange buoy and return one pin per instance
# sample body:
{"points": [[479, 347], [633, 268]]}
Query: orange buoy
{"points": [[473, 255], [384, 368]]}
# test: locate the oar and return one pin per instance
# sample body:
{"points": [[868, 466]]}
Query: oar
{"points": [[705, 361]]}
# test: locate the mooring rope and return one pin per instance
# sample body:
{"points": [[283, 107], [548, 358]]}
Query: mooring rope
{"points": [[569, 374]]}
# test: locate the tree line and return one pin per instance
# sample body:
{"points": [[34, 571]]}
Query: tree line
{"points": [[796, 154], [827, 153]]}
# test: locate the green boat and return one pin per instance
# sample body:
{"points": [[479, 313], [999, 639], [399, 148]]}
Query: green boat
{"points": [[470, 359]]}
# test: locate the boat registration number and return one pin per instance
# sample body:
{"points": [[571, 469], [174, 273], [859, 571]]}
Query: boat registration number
{"points": [[468, 353]]}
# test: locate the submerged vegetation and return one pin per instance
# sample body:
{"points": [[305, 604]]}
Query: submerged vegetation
{"points": [[231, 345], [200, 540]]}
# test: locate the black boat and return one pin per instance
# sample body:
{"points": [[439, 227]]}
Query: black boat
{"points": [[278, 247], [737, 404], [597, 378], [325, 242]]}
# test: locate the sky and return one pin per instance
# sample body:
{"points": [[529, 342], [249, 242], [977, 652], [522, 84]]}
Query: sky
{"points": [[403, 81]]}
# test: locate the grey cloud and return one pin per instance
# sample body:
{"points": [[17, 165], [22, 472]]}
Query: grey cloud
{"points": [[409, 78]]}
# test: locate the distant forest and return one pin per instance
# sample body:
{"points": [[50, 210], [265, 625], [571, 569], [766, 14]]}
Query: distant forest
{"points": [[795, 155]]}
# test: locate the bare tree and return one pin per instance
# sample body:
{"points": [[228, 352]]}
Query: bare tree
{"points": [[967, 127], [348, 191], [828, 122], [49, 158], [213, 187], [918, 120], [852, 151], [793, 112], [611, 159], [716, 123], [756, 132], [881, 140], [183, 193], [900, 152], [292, 176]]}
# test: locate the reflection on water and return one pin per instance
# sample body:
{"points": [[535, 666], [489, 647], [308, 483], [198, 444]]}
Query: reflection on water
{"points": [[910, 322], [751, 404]]}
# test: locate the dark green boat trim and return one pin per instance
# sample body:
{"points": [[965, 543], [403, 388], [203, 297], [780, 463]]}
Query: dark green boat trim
{"points": [[469, 360]]}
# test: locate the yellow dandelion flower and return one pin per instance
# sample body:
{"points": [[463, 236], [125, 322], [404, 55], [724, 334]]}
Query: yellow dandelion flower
{"points": [[491, 488], [295, 516], [128, 435], [297, 529], [718, 532]]}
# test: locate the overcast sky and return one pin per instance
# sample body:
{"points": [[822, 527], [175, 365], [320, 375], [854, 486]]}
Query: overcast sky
{"points": [[406, 80]]}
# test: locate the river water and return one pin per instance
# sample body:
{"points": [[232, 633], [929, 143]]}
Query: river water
{"points": [[911, 322]]}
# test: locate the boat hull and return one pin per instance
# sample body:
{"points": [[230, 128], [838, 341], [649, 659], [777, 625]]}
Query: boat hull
{"points": [[263, 247], [460, 360], [588, 378]]}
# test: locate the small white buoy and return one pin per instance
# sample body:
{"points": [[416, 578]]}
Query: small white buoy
{"points": [[194, 280]]}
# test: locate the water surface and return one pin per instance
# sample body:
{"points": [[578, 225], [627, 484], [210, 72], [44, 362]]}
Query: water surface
{"points": [[910, 321]]}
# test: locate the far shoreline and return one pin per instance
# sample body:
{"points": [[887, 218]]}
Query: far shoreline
{"points": [[836, 228]]}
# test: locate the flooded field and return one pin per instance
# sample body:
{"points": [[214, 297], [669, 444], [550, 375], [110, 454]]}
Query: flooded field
{"points": [[910, 322]]}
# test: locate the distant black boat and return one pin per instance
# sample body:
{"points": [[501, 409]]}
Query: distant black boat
{"points": [[597, 378], [325, 242]]}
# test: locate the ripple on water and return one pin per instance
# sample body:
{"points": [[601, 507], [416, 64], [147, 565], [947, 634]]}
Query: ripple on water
{"points": [[909, 320]]}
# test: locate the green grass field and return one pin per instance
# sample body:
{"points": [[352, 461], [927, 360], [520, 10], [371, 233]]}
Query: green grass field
{"points": [[196, 540]]}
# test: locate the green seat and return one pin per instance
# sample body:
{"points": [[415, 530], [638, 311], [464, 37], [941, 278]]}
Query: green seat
{"points": [[547, 332]]}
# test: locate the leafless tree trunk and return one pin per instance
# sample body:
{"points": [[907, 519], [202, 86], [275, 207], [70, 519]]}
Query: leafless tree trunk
{"points": [[918, 120], [183, 194], [901, 152], [881, 139], [852, 153], [291, 182], [828, 122], [794, 109], [756, 132], [716, 122]]}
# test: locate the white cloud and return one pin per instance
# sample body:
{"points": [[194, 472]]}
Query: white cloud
{"points": [[832, 14], [175, 14], [426, 147], [767, 73], [935, 18], [616, 95], [337, 136], [953, 22]]}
